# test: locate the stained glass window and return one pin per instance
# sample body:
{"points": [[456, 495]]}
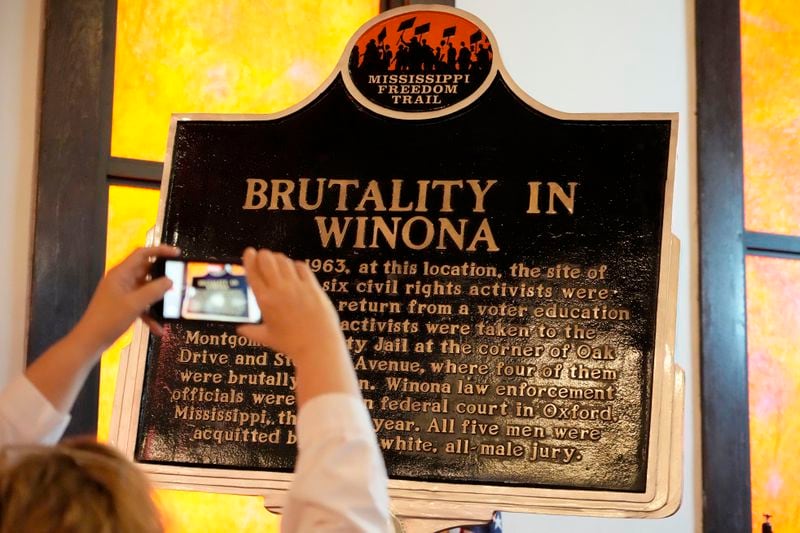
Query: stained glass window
{"points": [[770, 37], [770, 32], [201, 56], [773, 346]]}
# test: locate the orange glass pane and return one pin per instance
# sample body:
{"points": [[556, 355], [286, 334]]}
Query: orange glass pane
{"points": [[773, 352], [204, 56], [131, 213], [770, 31]]}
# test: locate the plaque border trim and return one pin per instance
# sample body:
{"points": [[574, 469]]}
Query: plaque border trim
{"points": [[450, 501]]}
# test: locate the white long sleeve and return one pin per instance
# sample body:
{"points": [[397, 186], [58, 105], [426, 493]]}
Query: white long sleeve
{"points": [[26, 417], [340, 481]]}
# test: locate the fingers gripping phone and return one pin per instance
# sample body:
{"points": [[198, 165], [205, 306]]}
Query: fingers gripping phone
{"points": [[207, 291]]}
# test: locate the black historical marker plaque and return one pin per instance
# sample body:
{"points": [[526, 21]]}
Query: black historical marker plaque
{"points": [[504, 275]]}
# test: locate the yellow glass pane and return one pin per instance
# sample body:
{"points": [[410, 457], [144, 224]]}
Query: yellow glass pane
{"points": [[193, 56], [773, 349], [770, 31], [131, 213]]}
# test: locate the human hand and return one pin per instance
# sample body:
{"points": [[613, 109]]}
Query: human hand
{"points": [[122, 295], [297, 316]]}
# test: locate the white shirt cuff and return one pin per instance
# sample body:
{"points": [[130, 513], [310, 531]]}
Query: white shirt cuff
{"points": [[27, 417], [324, 415]]}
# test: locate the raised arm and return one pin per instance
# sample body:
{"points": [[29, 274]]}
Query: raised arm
{"points": [[340, 480], [300, 321], [121, 296]]}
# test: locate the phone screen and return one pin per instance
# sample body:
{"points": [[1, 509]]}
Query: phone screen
{"points": [[209, 291]]}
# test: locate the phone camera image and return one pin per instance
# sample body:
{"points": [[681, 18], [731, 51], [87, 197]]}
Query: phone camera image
{"points": [[216, 292]]}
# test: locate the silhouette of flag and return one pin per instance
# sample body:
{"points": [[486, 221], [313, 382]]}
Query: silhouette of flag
{"points": [[475, 37], [382, 35], [406, 24], [449, 32], [422, 28]]}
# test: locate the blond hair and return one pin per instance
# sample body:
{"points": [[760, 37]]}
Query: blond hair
{"points": [[78, 486]]}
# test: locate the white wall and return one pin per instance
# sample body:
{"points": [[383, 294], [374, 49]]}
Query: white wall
{"points": [[618, 56], [20, 35]]}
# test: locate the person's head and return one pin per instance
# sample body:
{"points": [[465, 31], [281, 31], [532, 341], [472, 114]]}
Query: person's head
{"points": [[74, 487]]}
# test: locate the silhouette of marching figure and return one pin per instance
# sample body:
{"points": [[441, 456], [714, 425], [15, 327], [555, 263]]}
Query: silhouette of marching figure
{"points": [[428, 60], [386, 57], [441, 58], [352, 62], [415, 54], [483, 59], [464, 58], [451, 58], [372, 58], [401, 59]]}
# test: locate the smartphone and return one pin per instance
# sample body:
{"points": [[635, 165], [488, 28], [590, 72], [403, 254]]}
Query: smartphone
{"points": [[204, 290]]}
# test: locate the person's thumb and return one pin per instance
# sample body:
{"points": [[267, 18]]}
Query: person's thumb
{"points": [[151, 292]]}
